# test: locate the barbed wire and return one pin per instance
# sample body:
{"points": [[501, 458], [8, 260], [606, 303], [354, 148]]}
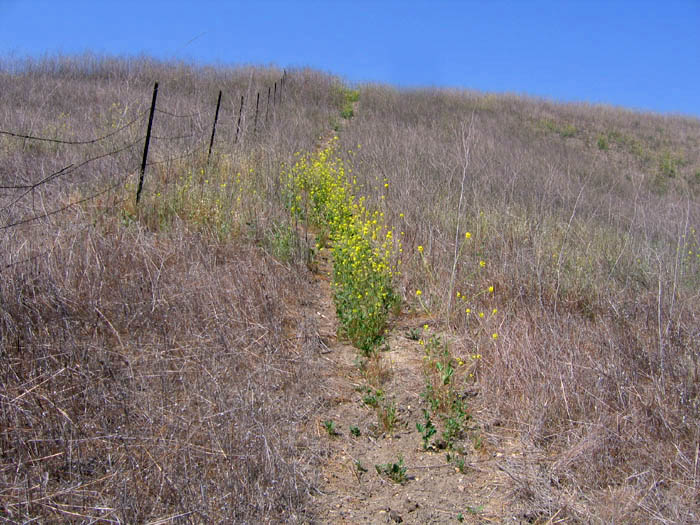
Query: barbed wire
{"points": [[74, 142], [193, 115], [60, 173], [190, 153], [64, 238], [34, 185], [64, 171], [67, 206], [28, 188], [156, 137]]}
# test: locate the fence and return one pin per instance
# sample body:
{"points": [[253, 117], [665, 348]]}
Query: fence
{"points": [[117, 154]]}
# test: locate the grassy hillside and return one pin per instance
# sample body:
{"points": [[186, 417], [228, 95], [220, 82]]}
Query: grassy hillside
{"points": [[587, 220], [157, 362], [152, 361]]}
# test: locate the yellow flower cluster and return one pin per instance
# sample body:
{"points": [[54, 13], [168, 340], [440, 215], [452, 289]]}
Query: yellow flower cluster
{"points": [[363, 246]]}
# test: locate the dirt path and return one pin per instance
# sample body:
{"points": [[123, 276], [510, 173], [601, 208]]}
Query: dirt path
{"points": [[351, 489], [363, 441]]}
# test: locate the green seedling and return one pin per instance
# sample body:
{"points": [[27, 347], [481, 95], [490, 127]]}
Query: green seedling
{"points": [[445, 371], [433, 345], [454, 424], [329, 425], [427, 430], [355, 431], [414, 334], [429, 395], [396, 472], [453, 430], [372, 399]]}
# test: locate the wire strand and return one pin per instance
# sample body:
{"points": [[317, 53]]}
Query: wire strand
{"points": [[64, 208], [71, 168], [73, 142]]}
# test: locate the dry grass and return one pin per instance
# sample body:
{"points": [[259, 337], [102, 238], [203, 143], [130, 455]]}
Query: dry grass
{"points": [[145, 376], [593, 251], [154, 365]]}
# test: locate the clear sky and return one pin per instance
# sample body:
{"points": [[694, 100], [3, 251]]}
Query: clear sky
{"points": [[641, 54]]}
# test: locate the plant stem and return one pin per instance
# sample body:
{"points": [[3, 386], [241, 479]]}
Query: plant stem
{"points": [[466, 150]]}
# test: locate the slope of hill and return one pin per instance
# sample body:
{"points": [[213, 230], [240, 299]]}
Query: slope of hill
{"points": [[179, 359]]}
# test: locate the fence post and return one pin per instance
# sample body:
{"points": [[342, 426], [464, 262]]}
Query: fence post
{"points": [[213, 128], [148, 140], [283, 81], [238, 126], [257, 103], [274, 98], [267, 108]]}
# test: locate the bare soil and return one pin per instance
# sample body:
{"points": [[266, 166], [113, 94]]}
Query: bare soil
{"points": [[350, 488]]}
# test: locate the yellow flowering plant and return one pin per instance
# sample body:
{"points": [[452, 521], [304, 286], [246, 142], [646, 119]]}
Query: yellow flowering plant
{"points": [[363, 246]]}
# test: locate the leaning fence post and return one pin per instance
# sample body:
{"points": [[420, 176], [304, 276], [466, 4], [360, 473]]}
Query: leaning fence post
{"points": [[148, 140], [238, 126], [213, 128], [257, 103]]}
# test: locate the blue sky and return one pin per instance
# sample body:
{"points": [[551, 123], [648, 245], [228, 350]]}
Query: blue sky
{"points": [[640, 54]]}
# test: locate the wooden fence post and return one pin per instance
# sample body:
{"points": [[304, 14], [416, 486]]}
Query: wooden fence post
{"points": [[148, 140]]}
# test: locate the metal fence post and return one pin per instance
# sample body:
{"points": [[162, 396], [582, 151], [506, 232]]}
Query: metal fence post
{"points": [[213, 129], [257, 104], [238, 126], [148, 140]]}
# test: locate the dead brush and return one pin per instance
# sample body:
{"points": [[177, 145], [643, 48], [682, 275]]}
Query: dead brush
{"points": [[128, 359], [587, 253], [147, 372], [148, 369]]}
